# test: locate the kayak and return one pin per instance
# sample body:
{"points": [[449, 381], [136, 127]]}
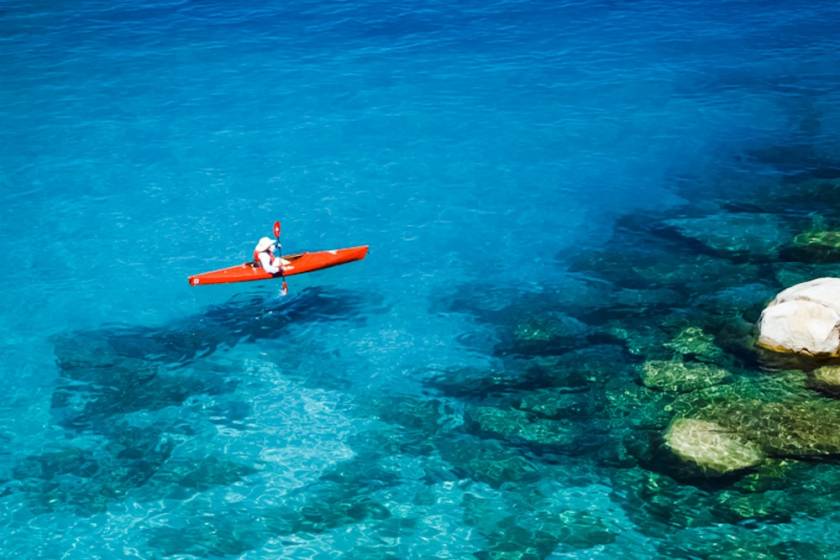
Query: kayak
{"points": [[299, 263]]}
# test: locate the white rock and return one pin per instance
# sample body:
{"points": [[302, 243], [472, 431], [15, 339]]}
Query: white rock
{"points": [[803, 319], [824, 291]]}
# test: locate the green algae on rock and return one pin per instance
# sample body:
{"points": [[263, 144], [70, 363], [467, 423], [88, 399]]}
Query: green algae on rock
{"points": [[678, 376], [800, 428], [711, 447], [826, 379], [695, 342], [779, 414], [779, 491], [640, 406], [544, 334], [818, 244], [828, 239], [762, 419], [516, 425]]}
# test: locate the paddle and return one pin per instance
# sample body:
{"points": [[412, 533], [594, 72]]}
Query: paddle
{"points": [[284, 288]]}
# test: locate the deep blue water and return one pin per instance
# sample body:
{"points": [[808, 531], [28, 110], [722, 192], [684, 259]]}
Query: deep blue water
{"points": [[473, 145]]}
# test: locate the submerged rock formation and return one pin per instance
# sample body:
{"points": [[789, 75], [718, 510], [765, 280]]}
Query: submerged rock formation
{"points": [[816, 245], [693, 341], [680, 377], [826, 379], [803, 319], [755, 235], [711, 447]]}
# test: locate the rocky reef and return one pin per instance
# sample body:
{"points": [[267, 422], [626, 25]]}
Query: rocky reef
{"points": [[640, 394], [710, 446], [697, 417]]}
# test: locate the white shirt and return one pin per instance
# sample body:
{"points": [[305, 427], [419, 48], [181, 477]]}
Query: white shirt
{"points": [[270, 263]]}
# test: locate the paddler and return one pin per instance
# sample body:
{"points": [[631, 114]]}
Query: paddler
{"points": [[264, 256]]}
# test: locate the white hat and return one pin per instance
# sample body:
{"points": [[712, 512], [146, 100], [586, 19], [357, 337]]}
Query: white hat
{"points": [[264, 244]]}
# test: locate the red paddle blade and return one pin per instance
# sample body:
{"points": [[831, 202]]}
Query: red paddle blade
{"points": [[277, 229]]}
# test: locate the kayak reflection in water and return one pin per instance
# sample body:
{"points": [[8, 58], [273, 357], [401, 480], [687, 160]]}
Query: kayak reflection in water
{"points": [[264, 256]]}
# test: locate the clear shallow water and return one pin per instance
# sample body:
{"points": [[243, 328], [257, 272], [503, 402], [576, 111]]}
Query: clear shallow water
{"points": [[474, 148]]}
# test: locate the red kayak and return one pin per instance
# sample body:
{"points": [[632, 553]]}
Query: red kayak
{"points": [[298, 264]]}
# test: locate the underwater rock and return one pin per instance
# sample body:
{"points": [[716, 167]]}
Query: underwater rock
{"points": [[200, 473], [736, 542], [639, 407], [211, 527], [711, 447], [425, 416], [816, 191], [642, 340], [117, 391], [826, 379], [558, 403], [324, 514], [86, 481], [747, 299], [544, 334], [517, 426], [779, 491], [659, 504], [747, 391], [251, 318], [814, 246], [486, 513], [469, 382], [678, 376], [580, 369], [121, 369], [487, 461], [574, 529], [803, 319], [783, 490], [696, 343], [736, 234], [209, 534], [545, 533], [778, 414], [515, 375], [53, 464], [772, 505], [794, 429], [544, 328]]}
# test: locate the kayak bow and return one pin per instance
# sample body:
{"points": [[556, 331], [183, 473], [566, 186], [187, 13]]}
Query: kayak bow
{"points": [[299, 263]]}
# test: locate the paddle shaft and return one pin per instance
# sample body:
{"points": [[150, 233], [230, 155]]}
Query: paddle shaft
{"points": [[284, 288]]}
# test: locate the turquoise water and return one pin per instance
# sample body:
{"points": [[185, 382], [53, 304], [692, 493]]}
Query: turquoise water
{"points": [[483, 150]]}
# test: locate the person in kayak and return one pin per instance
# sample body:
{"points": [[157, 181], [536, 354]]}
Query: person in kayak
{"points": [[264, 256]]}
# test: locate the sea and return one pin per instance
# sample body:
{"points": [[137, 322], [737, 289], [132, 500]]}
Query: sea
{"points": [[511, 165]]}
